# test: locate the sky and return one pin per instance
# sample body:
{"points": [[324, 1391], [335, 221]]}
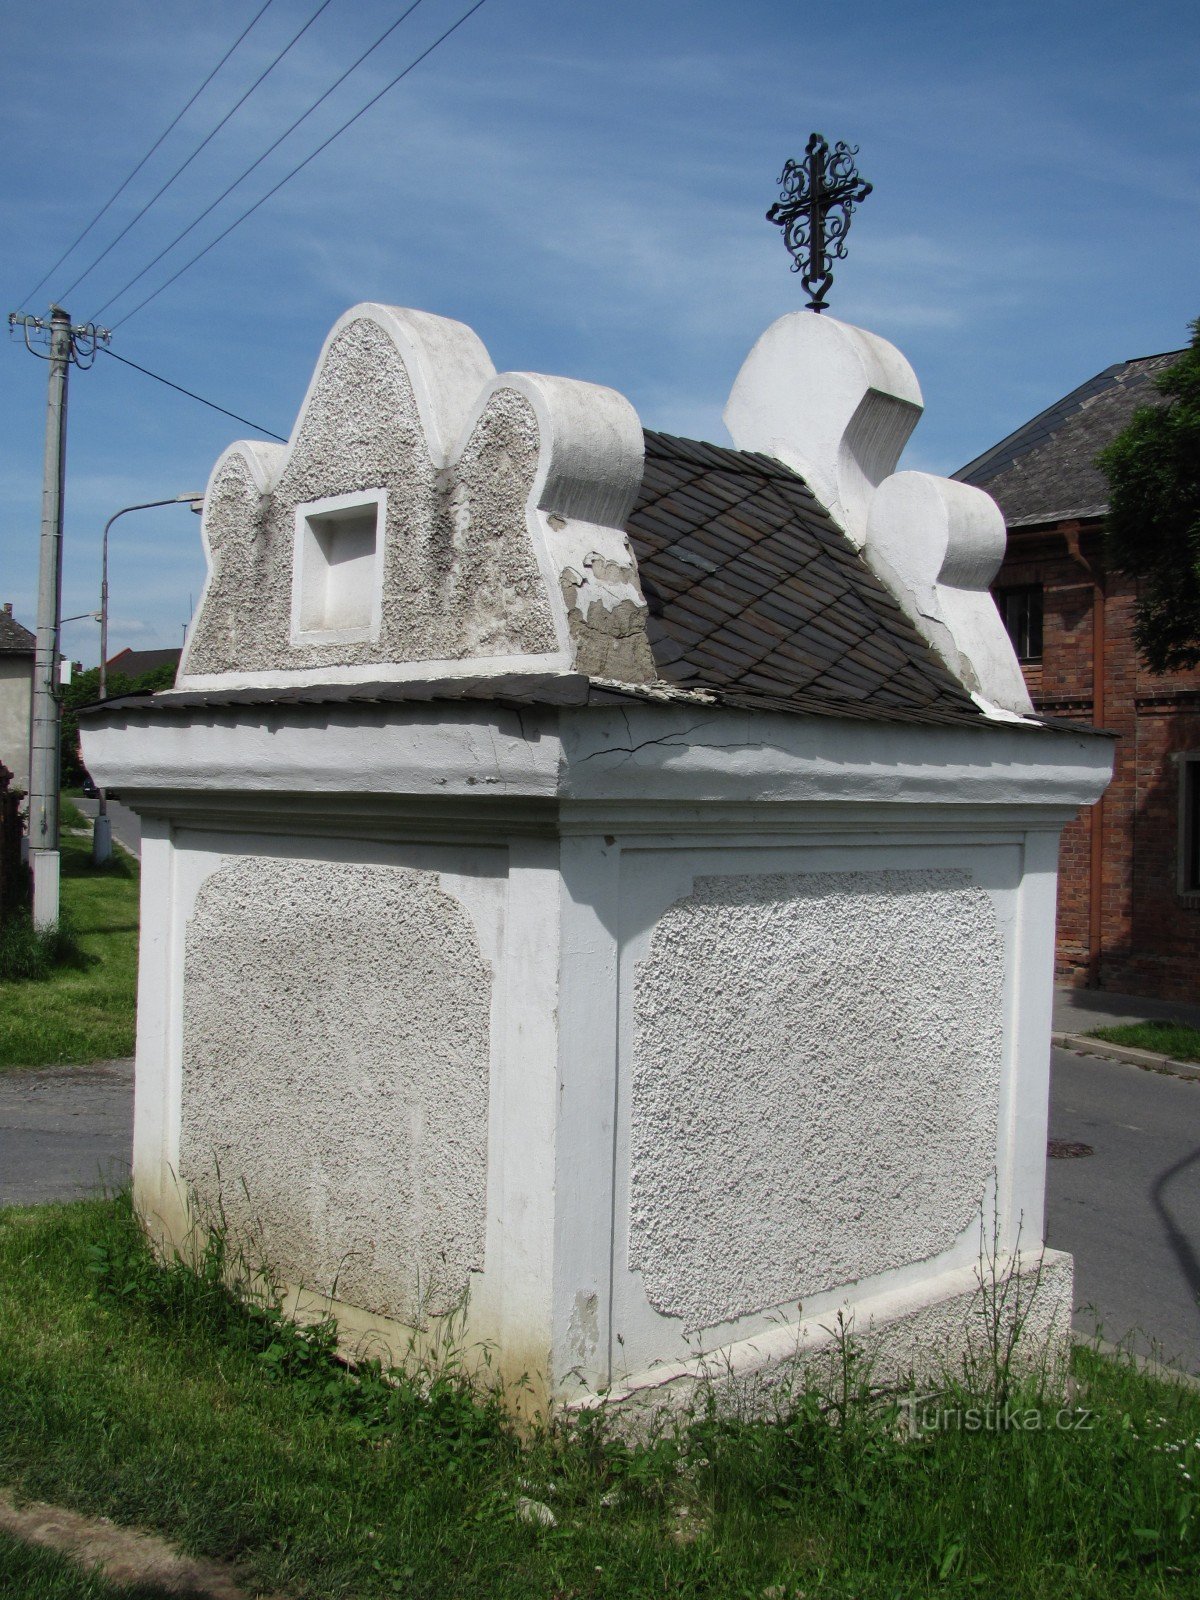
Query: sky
{"points": [[583, 182]]}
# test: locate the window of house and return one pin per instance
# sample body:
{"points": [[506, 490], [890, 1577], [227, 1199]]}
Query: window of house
{"points": [[1021, 611], [337, 569], [1189, 824]]}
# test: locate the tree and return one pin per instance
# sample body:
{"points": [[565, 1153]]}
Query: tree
{"points": [[1152, 530]]}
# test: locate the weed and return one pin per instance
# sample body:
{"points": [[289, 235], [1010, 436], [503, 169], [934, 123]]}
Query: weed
{"points": [[28, 953], [1007, 1292]]}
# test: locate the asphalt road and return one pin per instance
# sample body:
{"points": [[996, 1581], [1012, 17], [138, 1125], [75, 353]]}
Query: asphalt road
{"points": [[64, 1131], [126, 825], [1129, 1213]]}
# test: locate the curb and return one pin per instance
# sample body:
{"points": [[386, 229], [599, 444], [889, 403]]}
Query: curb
{"points": [[1149, 1060], [1146, 1364]]}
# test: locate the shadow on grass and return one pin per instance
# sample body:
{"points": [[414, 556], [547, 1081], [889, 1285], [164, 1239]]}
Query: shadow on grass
{"points": [[28, 954], [79, 864]]}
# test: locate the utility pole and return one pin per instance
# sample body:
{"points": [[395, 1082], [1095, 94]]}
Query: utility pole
{"points": [[66, 344]]}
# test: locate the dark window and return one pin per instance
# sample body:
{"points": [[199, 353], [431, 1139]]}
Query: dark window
{"points": [[1021, 611], [1189, 825]]}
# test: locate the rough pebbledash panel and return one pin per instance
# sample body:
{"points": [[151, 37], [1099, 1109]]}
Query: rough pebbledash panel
{"points": [[335, 1071], [456, 575], [815, 1084]]}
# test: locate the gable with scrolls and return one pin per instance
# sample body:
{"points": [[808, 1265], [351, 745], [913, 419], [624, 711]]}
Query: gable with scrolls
{"points": [[426, 515]]}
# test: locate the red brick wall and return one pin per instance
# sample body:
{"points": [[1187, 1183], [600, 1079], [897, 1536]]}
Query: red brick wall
{"points": [[1150, 934]]}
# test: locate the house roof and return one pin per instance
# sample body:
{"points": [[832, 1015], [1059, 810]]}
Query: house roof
{"points": [[1046, 470], [754, 591], [134, 662], [15, 640]]}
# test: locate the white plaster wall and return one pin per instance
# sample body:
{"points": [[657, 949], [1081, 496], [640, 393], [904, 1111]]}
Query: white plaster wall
{"points": [[335, 1069], [814, 1084], [16, 691]]}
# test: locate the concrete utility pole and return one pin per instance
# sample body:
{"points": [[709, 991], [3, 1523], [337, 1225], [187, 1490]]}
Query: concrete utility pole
{"points": [[66, 344], [44, 739]]}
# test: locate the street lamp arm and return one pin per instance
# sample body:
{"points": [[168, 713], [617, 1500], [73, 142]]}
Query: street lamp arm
{"points": [[150, 505], [146, 505]]}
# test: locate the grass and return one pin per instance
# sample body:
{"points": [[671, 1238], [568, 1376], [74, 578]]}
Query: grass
{"points": [[148, 1395], [82, 1006], [34, 1574], [1175, 1039]]}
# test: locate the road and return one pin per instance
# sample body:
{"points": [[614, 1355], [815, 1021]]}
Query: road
{"points": [[64, 1131], [1130, 1213], [126, 824]]}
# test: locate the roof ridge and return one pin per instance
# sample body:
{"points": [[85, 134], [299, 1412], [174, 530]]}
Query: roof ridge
{"points": [[1065, 407], [774, 467]]}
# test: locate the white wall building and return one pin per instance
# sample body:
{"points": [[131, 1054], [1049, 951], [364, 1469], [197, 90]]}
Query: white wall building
{"points": [[17, 652], [602, 879]]}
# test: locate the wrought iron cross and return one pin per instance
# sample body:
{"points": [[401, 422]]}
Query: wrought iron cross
{"points": [[817, 196]]}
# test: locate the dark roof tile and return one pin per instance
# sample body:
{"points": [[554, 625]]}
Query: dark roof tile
{"points": [[1047, 470], [755, 590], [15, 640]]}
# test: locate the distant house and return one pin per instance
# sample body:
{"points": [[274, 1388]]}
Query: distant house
{"points": [[17, 646], [133, 663], [1129, 873]]}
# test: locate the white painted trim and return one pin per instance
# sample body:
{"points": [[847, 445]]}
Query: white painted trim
{"points": [[532, 665], [303, 540], [874, 1305], [636, 754], [833, 402]]}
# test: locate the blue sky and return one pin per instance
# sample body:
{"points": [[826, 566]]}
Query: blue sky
{"points": [[583, 181]]}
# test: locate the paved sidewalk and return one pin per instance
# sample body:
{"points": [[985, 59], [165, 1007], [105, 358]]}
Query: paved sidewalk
{"points": [[1081, 1010], [65, 1132]]}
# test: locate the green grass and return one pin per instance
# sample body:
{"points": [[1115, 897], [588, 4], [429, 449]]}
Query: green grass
{"points": [[84, 1008], [1175, 1039], [149, 1396], [69, 814]]}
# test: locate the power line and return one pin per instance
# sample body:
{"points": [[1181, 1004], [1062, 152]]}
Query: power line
{"points": [[171, 126], [192, 395], [205, 141], [237, 182], [237, 222]]}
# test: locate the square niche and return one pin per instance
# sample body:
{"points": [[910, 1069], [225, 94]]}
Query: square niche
{"points": [[337, 568]]}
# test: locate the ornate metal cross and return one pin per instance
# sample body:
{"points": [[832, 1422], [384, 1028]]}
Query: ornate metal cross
{"points": [[817, 196]]}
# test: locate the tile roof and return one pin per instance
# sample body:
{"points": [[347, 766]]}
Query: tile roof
{"points": [[754, 591], [15, 640], [1046, 470], [134, 662], [517, 690]]}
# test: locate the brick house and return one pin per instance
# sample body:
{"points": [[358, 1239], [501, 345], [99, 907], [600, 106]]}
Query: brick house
{"points": [[1129, 873]]}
